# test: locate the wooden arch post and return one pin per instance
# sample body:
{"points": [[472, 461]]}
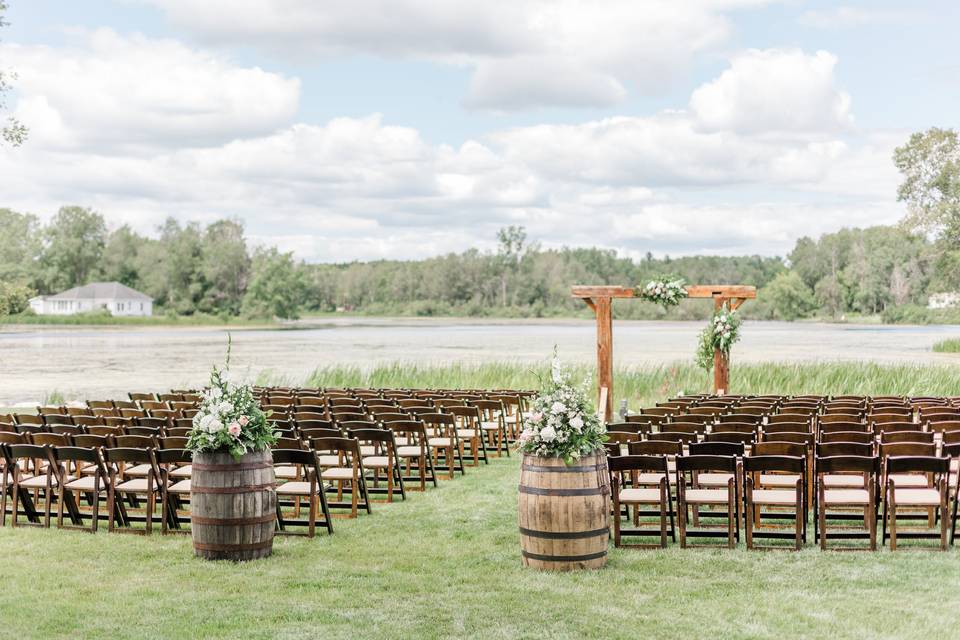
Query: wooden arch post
{"points": [[600, 299]]}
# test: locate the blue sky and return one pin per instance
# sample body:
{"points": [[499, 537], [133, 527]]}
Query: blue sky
{"points": [[400, 129]]}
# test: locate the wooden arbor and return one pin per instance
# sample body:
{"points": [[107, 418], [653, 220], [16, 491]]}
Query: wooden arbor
{"points": [[600, 299]]}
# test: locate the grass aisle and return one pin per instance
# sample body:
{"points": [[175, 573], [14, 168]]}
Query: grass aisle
{"points": [[446, 564]]}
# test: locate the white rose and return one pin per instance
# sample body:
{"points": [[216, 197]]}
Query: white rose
{"points": [[548, 434], [577, 423], [558, 407], [216, 425], [225, 408]]}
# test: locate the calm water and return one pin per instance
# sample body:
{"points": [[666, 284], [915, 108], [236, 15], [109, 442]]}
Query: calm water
{"points": [[108, 362]]}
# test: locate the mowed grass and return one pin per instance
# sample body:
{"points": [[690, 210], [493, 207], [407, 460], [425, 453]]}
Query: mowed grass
{"points": [[446, 564], [644, 386]]}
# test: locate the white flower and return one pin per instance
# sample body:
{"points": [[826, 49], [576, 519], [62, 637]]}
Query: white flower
{"points": [[225, 408], [577, 423], [558, 407], [548, 434]]}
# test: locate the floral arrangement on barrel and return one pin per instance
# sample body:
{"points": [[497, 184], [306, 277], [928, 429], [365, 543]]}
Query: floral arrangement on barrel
{"points": [[229, 418], [562, 423], [721, 333], [667, 291]]}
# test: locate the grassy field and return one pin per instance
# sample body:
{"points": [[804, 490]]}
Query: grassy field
{"points": [[643, 386], [445, 564], [947, 346]]}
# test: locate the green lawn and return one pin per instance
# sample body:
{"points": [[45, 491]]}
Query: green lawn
{"points": [[446, 564]]}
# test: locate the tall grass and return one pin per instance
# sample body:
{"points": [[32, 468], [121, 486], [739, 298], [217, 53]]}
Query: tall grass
{"points": [[951, 345], [642, 386]]}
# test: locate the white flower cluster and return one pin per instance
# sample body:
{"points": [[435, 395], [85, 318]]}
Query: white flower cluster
{"points": [[724, 330], [561, 423], [664, 292]]}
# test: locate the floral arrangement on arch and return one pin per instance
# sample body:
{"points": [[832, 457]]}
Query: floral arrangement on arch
{"points": [[722, 332], [665, 291], [229, 418], [562, 424]]}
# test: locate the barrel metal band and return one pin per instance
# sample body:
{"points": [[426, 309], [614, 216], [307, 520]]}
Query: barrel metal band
{"points": [[250, 546], [542, 469], [233, 521], [247, 488], [548, 558], [245, 466], [537, 491], [564, 535]]}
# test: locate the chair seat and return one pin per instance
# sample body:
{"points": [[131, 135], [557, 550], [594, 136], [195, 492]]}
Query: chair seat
{"points": [[707, 496], [337, 473], [409, 451], [40, 482], [493, 425], [466, 434], [84, 483], [774, 496], [649, 478], [329, 460], [909, 480], [368, 450], [137, 471], [182, 486], [714, 479], [286, 471], [846, 497], [639, 496], [136, 484], [298, 488], [917, 497], [376, 462], [843, 480], [440, 442], [185, 471], [778, 480]]}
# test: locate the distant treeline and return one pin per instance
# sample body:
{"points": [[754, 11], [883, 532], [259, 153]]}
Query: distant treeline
{"points": [[190, 269]]}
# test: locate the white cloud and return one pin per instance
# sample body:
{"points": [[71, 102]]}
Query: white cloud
{"points": [[774, 90], [110, 89], [524, 53], [846, 17]]}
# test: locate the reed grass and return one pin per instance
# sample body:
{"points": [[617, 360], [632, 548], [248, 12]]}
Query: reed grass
{"points": [[951, 345], [642, 386]]}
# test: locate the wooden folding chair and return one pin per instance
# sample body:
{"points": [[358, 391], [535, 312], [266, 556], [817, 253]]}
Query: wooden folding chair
{"points": [[694, 495], [843, 499], [757, 469], [935, 495], [347, 473], [382, 459], [149, 486], [627, 469], [310, 487], [93, 483]]}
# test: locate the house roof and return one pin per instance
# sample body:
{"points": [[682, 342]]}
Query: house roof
{"points": [[101, 290]]}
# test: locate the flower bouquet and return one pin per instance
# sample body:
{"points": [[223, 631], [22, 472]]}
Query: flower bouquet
{"points": [[665, 291], [721, 333]]}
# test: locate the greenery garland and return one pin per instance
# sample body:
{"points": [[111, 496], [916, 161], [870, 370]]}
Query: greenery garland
{"points": [[667, 291], [721, 333]]}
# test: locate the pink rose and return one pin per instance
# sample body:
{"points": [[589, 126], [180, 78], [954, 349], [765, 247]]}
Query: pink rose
{"points": [[243, 421], [536, 417], [234, 429]]}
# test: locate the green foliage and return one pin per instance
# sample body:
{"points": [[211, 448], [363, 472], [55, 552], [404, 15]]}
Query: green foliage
{"points": [[951, 345], [722, 332], [73, 246], [14, 298], [277, 287], [930, 164], [789, 296], [13, 132], [667, 291], [562, 424]]}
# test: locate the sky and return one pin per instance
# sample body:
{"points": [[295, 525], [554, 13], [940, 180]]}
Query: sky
{"points": [[399, 129]]}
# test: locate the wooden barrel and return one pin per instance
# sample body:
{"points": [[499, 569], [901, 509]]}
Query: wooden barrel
{"points": [[233, 505], [564, 512]]}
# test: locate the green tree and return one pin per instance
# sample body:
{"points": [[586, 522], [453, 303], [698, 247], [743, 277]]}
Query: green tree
{"points": [[789, 296], [277, 286], [14, 298], [830, 294], [120, 257], [224, 267], [20, 253], [13, 132], [73, 246], [510, 253], [930, 164]]}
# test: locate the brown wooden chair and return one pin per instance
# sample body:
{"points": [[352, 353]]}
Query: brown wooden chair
{"points": [[694, 495], [759, 493], [864, 472], [935, 495], [628, 469], [33, 471], [493, 424], [310, 487], [383, 459], [93, 484], [148, 486], [469, 433], [443, 438], [347, 474]]}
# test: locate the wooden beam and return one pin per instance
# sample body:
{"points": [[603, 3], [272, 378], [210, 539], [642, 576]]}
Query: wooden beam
{"points": [[602, 291], [721, 290], [590, 304], [721, 361], [604, 357]]}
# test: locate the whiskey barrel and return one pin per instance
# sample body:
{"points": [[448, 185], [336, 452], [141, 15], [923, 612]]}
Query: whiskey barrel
{"points": [[233, 505], [564, 512]]}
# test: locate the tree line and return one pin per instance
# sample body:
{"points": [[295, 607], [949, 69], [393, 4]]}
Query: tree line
{"points": [[193, 269]]}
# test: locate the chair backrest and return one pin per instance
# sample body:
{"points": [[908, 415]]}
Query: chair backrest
{"points": [[789, 449], [32, 428], [174, 442], [804, 418], [653, 463], [716, 448], [847, 436], [891, 427], [848, 464], [736, 427], [906, 436], [58, 418], [52, 439], [693, 417], [775, 463], [830, 418], [630, 427], [674, 436], [290, 443], [77, 454], [696, 428], [344, 418], [124, 455], [134, 442], [786, 436], [347, 446], [90, 440], [908, 449], [916, 464], [832, 449], [832, 427], [378, 436], [944, 425], [173, 455], [303, 457], [27, 418], [66, 429], [787, 427], [313, 424], [726, 464], [731, 436]]}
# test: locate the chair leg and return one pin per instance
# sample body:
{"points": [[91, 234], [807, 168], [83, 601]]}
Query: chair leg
{"points": [[682, 517]]}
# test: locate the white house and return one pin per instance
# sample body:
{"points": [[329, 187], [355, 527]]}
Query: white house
{"points": [[946, 300], [118, 299]]}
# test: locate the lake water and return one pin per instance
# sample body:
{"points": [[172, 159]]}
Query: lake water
{"points": [[101, 362]]}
